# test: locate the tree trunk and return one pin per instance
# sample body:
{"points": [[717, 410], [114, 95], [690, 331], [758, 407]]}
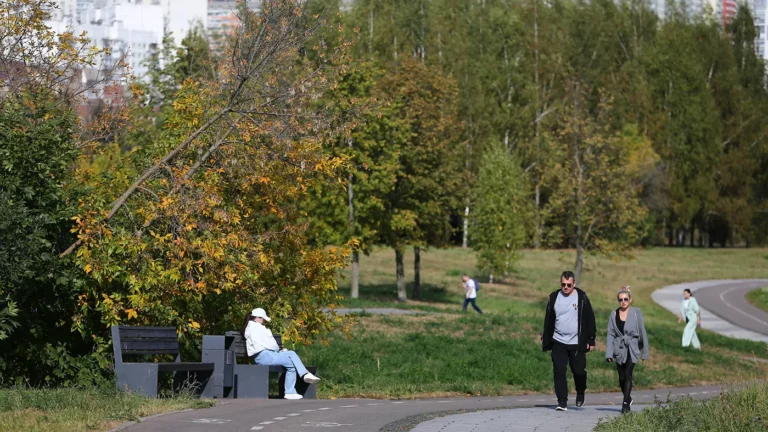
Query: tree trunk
{"points": [[465, 234], [671, 236], [663, 229], [416, 293], [537, 111], [355, 253], [370, 30], [579, 266], [355, 274], [537, 219], [400, 269], [692, 230]]}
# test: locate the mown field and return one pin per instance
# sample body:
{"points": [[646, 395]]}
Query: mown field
{"points": [[446, 352], [759, 298]]}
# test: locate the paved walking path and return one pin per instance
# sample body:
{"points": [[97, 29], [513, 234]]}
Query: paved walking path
{"points": [[369, 415], [723, 307], [524, 419], [378, 311]]}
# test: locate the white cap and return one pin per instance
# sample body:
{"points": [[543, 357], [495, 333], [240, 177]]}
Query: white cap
{"points": [[261, 313]]}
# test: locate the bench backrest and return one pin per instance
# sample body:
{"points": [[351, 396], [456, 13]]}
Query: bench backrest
{"points": [[239, 343], [144, 341]]}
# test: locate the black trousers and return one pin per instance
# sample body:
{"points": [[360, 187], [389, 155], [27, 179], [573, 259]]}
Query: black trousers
{"points": [[562, 356], [625, 378]]}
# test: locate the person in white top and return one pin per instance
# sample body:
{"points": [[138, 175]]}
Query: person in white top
{"points": [[263, 349], [470, 296]]}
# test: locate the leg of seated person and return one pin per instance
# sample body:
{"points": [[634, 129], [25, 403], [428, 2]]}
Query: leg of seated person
{"points": [[300, 368], [271, 358]]}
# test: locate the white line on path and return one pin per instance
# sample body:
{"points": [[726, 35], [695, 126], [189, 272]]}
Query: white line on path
{"points": [[374, 404], [307, 410], [398, 402], [280, 418], [323, 409], [349, 406], [722, 297], [257, 428], [294, 415], [266, 422]]}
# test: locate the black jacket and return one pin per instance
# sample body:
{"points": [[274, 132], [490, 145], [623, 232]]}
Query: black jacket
{"points": [[587, 328]]}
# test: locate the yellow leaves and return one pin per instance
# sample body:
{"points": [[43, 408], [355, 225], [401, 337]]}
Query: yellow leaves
{"points": [[194, 324], [132, 314], [87, 268]]}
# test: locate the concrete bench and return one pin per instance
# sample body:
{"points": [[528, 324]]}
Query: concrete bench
{"points": [[142, 377], [245, 380]]}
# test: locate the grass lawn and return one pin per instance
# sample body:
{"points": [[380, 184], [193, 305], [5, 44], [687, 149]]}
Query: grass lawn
{"points": [[759, 298], [80, 410], [736, 410], [446, 352]]}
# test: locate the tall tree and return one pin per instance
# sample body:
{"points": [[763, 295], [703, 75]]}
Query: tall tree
{"points": [[419, 206], [600, 169], [501, 219]]}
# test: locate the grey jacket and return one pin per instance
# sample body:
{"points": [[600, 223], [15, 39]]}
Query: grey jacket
{"points": [[634, 332]]}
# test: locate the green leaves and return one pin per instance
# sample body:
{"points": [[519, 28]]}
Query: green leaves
{"points": [[501, 212]]}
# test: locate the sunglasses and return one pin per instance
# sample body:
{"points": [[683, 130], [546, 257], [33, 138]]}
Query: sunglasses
{"points": [[566, 285], [623, 300]]}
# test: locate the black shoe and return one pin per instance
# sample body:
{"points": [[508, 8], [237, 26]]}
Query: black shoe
{"points": [[625, 408], [579, 400], [562, 406]]}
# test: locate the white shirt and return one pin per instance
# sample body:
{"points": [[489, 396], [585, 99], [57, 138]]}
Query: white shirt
{"points": [[258, 338], [686, 303], [567, 318], [469, 286]]}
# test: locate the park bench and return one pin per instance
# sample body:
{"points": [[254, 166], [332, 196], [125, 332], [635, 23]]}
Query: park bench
{"points": [[142, 377], [246, 380]]}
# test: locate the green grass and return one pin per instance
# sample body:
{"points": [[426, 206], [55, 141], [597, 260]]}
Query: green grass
{"points": [[80, 410], [446, 352], [736, 410], [759, 298]]}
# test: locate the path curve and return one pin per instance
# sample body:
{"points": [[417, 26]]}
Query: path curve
{"points": [[370, 415], [724, 309]]}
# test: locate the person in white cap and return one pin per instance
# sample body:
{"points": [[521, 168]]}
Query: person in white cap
{"points": [[263, 349]]}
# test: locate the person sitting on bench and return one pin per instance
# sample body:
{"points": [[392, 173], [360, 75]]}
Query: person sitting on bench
{"points": [[263, 349]]}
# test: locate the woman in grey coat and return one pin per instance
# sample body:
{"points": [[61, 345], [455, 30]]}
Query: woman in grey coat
{"points": [[627, 343]]}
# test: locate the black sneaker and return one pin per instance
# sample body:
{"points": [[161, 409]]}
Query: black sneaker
{"points": [[562, 406], [579, 400], [625, 408]]}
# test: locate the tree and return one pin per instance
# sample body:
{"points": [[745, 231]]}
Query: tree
{"points": [[198, 226], [501, 219], [41, 140], [418, 206], [598, 196], [348, 209]]}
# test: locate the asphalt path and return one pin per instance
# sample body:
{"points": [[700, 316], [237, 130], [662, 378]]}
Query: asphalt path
{"points": [[369, 415], [727, 301]]}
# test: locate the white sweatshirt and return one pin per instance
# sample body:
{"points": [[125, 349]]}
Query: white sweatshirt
{"points": [[469, 287], [258, 338]]}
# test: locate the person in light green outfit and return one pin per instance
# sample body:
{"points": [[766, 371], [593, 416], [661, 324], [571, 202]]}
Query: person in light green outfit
{"points": [[690, 312]]}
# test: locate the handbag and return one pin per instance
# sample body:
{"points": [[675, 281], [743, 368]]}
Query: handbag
{"points": [[640, 341]]}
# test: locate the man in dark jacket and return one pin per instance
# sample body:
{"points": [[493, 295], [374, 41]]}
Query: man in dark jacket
{"points": [[569, 332]]}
